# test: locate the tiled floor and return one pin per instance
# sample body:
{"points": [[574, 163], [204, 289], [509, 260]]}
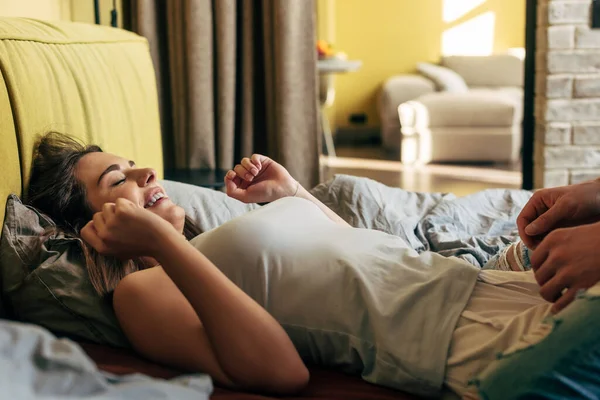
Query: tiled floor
{"points": [[372, 162]]}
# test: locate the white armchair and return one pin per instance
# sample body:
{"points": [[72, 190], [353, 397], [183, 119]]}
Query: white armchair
{"points": [[475, 119], [395, 91]]}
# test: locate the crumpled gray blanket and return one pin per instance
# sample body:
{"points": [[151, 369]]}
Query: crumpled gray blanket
{"points": [[35, 364], [473, 228]]}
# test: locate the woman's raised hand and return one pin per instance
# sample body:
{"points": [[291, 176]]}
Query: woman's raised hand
{"points": [[125, 230], [259, 179]]}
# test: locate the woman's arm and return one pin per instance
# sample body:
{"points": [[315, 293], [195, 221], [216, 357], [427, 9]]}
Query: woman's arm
{"points": [[232, 337], [250, 346], [165, 328]]}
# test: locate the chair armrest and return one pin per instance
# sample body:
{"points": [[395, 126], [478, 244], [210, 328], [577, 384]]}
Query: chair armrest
{"points": [[400, 89]]}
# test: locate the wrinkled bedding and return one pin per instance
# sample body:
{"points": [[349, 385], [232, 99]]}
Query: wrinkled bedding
{"points": [[33, 363], [473, 228]]}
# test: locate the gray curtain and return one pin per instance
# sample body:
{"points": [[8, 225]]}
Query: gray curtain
{"points": [[235, 77]]}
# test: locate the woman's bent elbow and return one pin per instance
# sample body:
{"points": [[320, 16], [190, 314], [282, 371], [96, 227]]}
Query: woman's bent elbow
{"points": [[278, 381], [291, 380]]}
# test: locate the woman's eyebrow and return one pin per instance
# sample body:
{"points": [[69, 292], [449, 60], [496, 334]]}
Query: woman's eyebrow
{"points": [[114, 167]]}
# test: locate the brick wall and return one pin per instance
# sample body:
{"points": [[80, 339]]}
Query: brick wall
{"points": [[567, 109]]}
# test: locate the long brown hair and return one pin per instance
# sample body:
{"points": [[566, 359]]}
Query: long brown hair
{"points": [[54, 190]]}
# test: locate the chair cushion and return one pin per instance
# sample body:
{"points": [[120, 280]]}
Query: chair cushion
{"points": [[481, 108], [512, 92], [494, 70]]}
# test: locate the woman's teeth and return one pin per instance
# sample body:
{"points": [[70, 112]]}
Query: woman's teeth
{"points": [[154, 199]]}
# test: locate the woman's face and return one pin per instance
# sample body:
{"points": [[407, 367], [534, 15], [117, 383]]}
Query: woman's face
{"points": [[107, 177]]}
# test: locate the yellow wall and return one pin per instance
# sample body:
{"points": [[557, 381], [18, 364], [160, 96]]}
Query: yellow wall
{"points": [[391, 36], [74, 10], [41, 9]]}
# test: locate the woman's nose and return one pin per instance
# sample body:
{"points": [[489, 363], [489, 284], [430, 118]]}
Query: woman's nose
{"points": [[146, 176]]}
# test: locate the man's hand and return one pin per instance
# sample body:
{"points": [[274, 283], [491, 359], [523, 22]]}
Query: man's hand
{"points": [[259, 180], [566, 261], [560, 207]]}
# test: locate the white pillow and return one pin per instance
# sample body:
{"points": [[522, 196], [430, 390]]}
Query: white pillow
{"points": [[207, 207], [444, 78]]}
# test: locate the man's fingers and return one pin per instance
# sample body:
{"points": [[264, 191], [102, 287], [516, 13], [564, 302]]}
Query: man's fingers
{"points": [[544, 223], [532, 210], [564, 300], [531, 241], [545, 273], [540, 255], [553, 289]]}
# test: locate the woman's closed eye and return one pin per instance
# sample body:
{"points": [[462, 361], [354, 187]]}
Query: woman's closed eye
{"points": [[117, 183]]}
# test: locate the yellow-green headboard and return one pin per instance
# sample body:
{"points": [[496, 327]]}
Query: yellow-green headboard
{"points": [[95, 83]]}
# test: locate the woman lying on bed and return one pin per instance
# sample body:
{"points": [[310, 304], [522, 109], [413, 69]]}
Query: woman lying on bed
{"points": [[359, 300]]}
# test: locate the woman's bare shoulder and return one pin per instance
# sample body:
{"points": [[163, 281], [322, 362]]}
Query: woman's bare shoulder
{"points": [[144, 276], [145, 283]]}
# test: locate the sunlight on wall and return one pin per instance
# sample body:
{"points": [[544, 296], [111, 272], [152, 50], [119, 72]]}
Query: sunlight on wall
{"points": [[454, 9], [518, 52], [472, 38]]}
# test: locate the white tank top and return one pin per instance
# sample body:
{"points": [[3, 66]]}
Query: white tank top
{"points": [[357, 299]]}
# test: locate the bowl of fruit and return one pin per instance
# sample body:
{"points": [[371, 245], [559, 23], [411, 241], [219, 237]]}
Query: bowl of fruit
{"points": [[324, 49]]}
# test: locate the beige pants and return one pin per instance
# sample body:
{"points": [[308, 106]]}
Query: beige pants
{"points": [[504, 311]]}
